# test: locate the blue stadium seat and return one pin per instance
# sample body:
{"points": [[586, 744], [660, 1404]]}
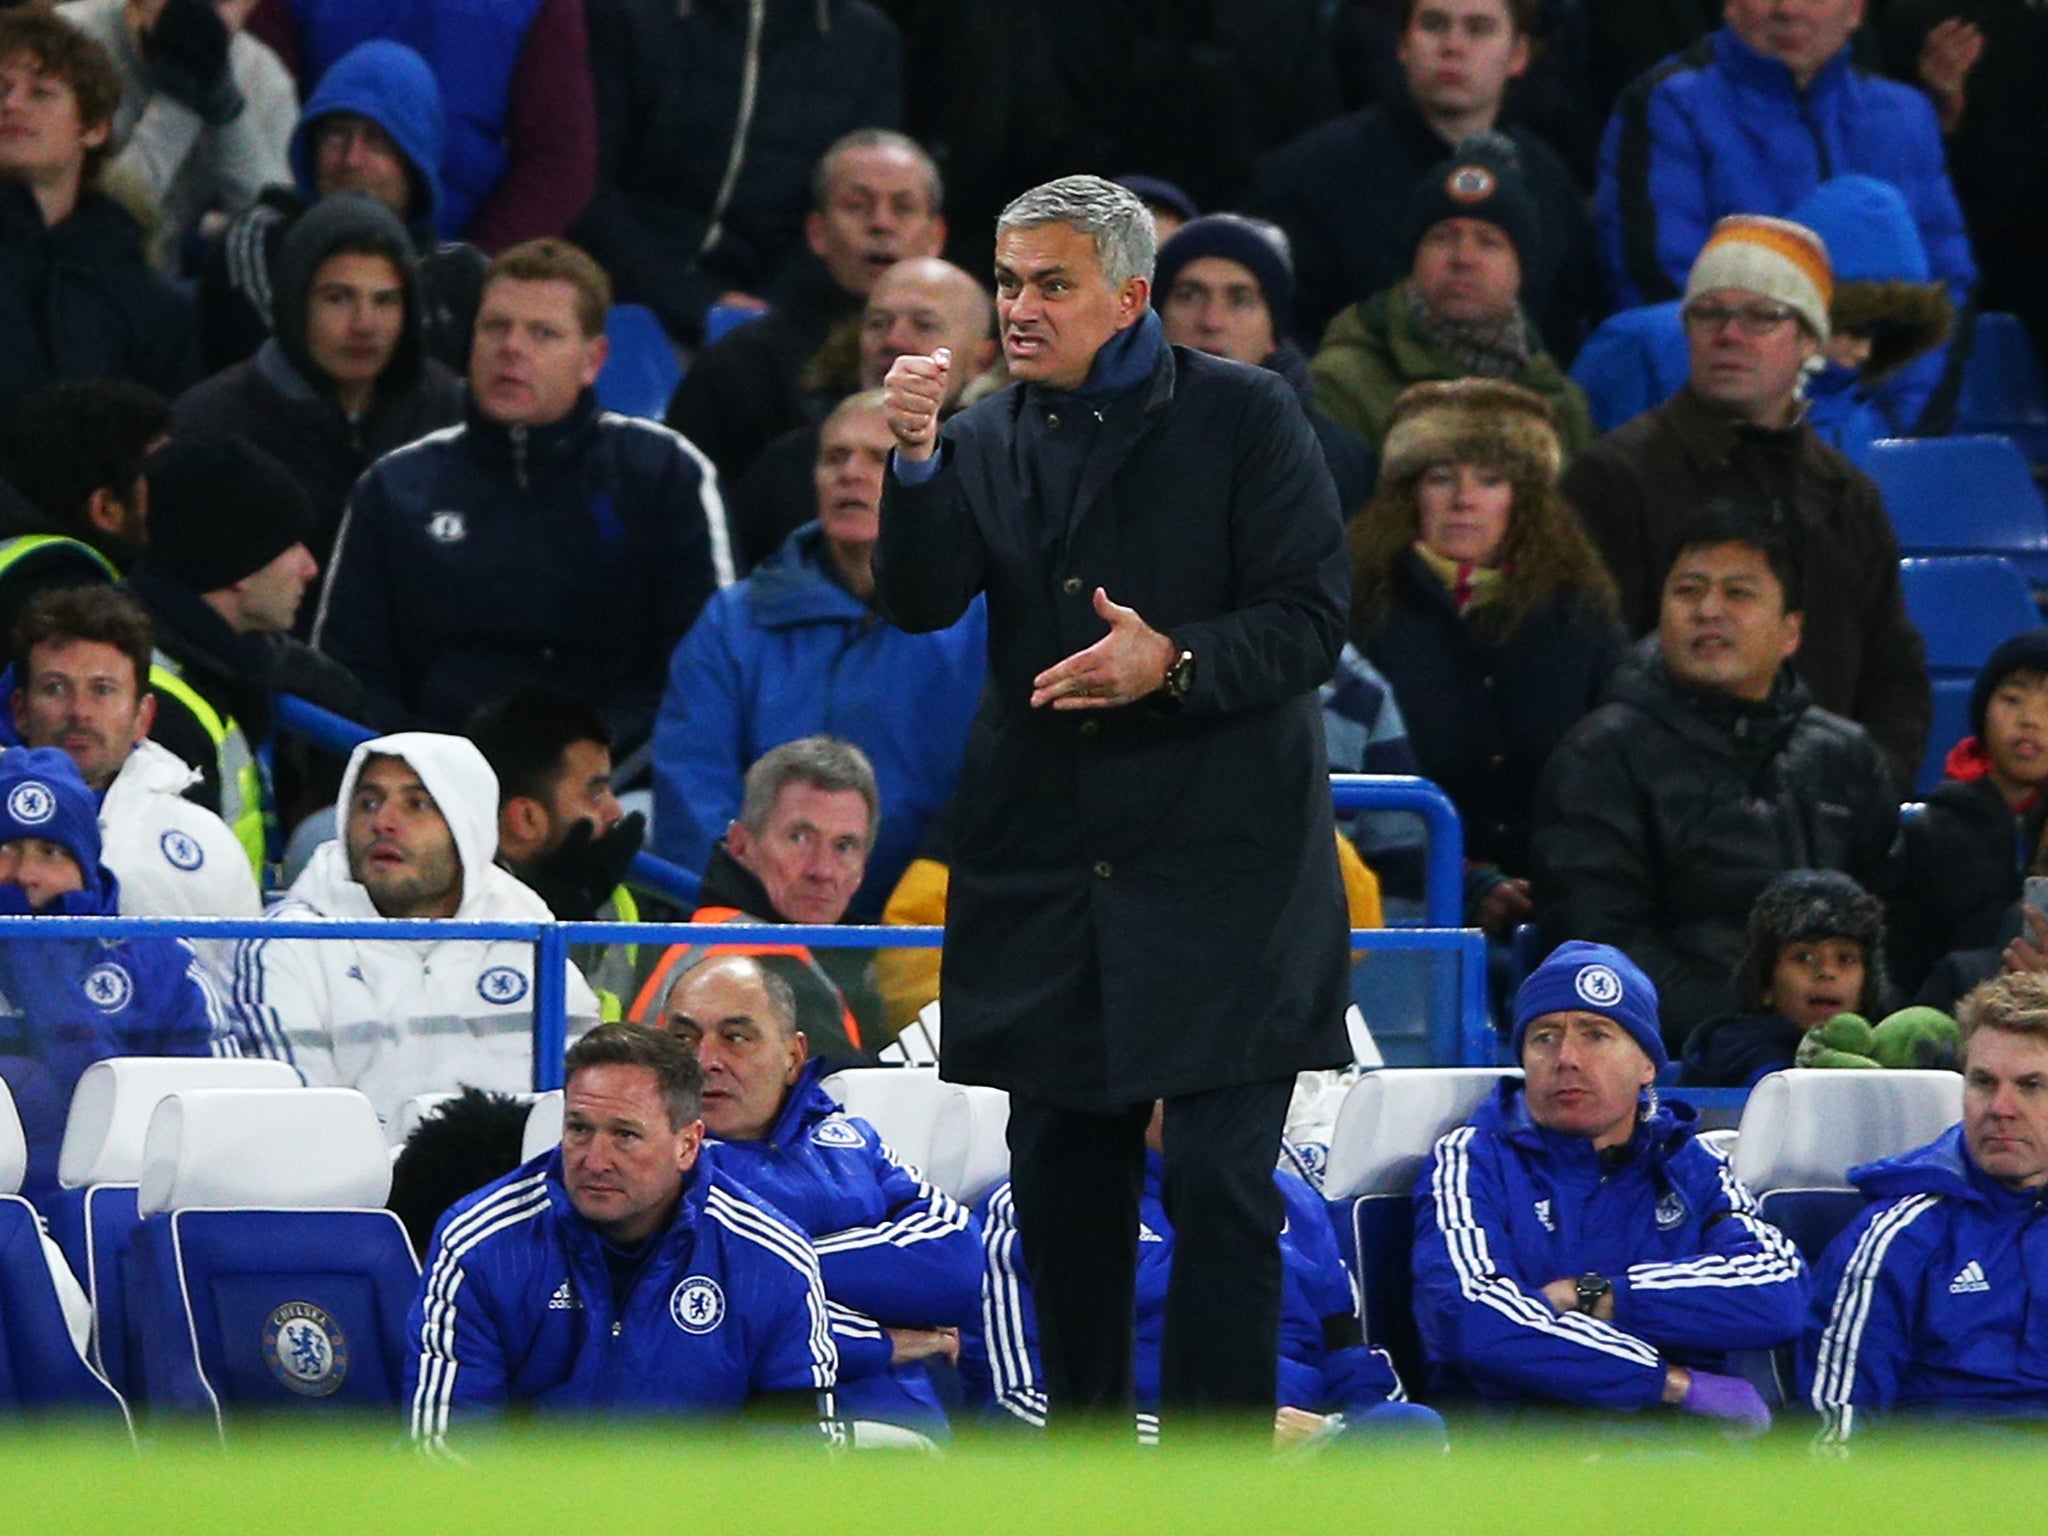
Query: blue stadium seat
{"points": [[642, 370], [1803, 1130], [40, 1368], [1964, 608], [1385, 1130], [1963, 496], [952, 1134], [91, 1213], [265, 1275], [722, 319], [2002, 386]]}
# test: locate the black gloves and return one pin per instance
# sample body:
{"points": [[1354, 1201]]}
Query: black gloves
{"points": [[580, 876], [185, 56]]}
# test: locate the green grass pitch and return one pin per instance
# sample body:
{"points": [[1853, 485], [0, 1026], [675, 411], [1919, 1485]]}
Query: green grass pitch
{"points": [[678, 1478]]}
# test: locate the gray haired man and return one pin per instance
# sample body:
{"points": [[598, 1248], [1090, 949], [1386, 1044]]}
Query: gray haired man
{"points": [[1164, 565]]}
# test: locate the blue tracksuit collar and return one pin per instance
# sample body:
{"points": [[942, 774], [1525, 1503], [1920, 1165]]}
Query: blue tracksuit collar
{"points": [[794, 586], [1658, 1134], [1942, 1167], [1746, 66], [689, 1209], [803, 1106]]}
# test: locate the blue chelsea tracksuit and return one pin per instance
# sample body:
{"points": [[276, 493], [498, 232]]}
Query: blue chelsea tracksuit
{"points": [[895, 1252], [1935, 1299], [516, 1306], [1504, 1207]]}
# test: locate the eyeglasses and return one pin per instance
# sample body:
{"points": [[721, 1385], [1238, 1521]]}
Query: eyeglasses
{"points": [[1749, 320]]}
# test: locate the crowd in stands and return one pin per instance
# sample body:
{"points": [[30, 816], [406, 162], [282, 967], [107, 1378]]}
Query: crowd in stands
{"points": [[1594, 309]]}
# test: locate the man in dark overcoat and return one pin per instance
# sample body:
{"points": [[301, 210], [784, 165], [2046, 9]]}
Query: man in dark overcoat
{"points": [[1145, 900]]}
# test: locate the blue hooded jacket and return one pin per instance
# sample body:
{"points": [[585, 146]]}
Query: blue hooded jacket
{"points": [[67, 1003], [1505, 1206], [395, 88], [894, 1250], [1932, 1299]]}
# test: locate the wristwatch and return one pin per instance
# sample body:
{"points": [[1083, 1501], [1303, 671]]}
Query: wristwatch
{"points": [[1180, 675], [1591, 1289]]}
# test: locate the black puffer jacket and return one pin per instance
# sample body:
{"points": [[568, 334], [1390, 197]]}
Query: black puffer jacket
{"points": [[711, 115], [1961, 863], [1664, 814], [80, 302]]}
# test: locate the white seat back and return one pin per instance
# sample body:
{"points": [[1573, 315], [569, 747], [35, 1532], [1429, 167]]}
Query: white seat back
{"points": [[297, 1148], [13, 1144], [952, 1134], [111, 1106], [1807, 1127], [970, 1142], [1392, 1118], [543, 1126]]}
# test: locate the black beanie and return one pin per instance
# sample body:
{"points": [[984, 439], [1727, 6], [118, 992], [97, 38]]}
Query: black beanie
{"points": [[2027, 650], [1481, 180], [220, 508], [1260, 248]]}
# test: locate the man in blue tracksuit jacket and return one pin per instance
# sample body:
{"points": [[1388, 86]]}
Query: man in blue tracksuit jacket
{"points": [[901, 1259], [1325, 1365], [1574, 1242], [544, 542], [1935, 1300], [1751, 120], [618, 1273]]}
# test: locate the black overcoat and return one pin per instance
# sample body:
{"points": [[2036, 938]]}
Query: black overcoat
{"points": [[1144, 901]]}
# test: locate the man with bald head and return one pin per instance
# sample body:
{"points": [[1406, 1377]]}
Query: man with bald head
{"points": [[901, 1259], [915, 306]]}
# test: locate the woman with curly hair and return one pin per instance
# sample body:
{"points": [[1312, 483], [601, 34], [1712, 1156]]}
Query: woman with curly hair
{"points": [[1479, 597]]}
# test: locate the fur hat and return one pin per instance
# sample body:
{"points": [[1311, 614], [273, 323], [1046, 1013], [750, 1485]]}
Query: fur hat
{"points": [[1260, 248], [1471, 421], [2025, 651], [1773, 258], [1483, 180], [1593, 978], [1805, 904]]}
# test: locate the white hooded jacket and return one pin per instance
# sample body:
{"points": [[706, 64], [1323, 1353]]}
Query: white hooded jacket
{"points": [[174, 858], [396, 1018]]}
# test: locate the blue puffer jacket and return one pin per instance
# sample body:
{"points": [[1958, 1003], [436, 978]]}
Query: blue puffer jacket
{"points": [[1504, 1207], [1931, 1301], [789, 652], [482, 558], [516, 1307], [895, 1251], [1721, 129], [394, 88], [1325, 1365]]}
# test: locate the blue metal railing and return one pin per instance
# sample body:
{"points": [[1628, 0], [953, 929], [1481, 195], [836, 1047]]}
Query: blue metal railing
{"points": [[1444, 886]]}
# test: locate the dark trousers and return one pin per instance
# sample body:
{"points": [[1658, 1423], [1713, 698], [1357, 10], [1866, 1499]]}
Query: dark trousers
{"points": [[1077, 1177]]}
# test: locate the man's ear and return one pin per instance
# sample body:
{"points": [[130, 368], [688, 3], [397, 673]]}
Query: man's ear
{"points": [[738, 840], [523, 819], [104, 511], [145, 713], [800, 1052], [814, 233]]}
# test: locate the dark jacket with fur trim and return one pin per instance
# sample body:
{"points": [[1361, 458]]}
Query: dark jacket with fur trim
{"points": [[1637, 486], [1484, 713], [1664, 814]]}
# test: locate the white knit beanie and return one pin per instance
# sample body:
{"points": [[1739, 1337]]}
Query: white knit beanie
{"points": [[1772, 258]]}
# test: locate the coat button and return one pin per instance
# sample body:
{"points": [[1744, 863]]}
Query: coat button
{"points": [[1071, 586], [1102, 869], [1089, 727], [1052, 419]]}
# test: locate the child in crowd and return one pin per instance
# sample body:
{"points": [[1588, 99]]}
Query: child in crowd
{"points": [[1816, 949], [67, 1003], [1964, 857]]}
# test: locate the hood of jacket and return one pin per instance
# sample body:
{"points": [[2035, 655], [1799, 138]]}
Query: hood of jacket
{"points": [[1884, 287], [395, 88], [1942, 1167], [794, 586], [466, 791], [355, 220], [151, 769]]}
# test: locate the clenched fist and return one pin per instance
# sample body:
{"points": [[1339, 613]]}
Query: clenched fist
{"points": [[912, 393]]}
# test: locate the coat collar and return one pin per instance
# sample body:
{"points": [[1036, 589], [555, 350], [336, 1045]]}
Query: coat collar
{"points": [[526, 454]]}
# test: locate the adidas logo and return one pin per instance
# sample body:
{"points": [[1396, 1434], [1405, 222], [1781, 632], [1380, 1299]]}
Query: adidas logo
{"points": [[1968, 1279], [564, 1299]]}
